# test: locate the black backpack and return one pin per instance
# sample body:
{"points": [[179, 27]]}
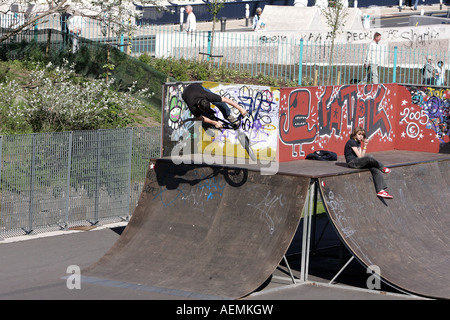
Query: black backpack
{"points": [[322, 155]]}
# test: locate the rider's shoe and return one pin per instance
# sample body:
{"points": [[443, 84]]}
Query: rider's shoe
{"points": [[231, 118], [233, 121]]}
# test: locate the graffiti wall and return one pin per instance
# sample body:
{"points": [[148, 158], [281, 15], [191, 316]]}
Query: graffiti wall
{"points": [[289, 123], [425, 108], [261, 126], [395, 117], [322, 118], [175, 134]]}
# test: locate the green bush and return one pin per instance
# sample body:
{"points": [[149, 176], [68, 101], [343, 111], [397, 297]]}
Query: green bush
{"points": [[90, 63], [56, 99], [191, 70]]}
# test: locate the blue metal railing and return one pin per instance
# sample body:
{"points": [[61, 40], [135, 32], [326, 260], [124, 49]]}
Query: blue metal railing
{"points": [[281, 56]]}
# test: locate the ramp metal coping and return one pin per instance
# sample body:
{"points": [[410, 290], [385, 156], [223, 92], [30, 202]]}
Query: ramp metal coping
{"points": [[283, 167]]}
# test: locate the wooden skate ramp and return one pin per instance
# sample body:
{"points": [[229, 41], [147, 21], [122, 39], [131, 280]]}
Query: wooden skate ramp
{"points": [[407, 237], [203, 229]]}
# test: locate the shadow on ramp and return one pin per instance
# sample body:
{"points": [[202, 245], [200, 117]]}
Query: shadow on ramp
{"points": [[407, 237], [212, 230]]}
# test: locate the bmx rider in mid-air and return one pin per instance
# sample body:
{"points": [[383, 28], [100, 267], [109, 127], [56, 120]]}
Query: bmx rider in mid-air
{"points": [[199, 100]]}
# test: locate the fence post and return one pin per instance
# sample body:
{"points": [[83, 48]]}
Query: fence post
{"points": [[33, 173], [129, 173], [36, 30], [300, 63], [1, 163], [394, 73], [1, 167], [209, 45], [97, 177], [69, 162], [121, 42]]}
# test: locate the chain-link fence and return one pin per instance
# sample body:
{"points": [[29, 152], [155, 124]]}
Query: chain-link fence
{"points": [[52, 181]]}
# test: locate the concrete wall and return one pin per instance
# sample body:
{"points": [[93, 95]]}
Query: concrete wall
{"points": [[303, 23], [281, 18]]}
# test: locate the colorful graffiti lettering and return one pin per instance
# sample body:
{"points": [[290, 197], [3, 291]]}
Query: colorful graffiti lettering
{"points": [[175, 108], [430, 107], [365, 105], [297, 123], [175, 112], [313, 116], [261, 104], [261, 124], [292, 122]]}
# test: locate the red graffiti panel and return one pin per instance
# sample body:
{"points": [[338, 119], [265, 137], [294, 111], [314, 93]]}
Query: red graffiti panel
{"points": [[298, 119], [322, 118]]}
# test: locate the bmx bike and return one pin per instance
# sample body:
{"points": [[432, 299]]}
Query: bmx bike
{"points": [[227, 125]]}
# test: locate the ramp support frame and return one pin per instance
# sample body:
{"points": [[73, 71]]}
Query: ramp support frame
{"points": [[310, 208], [308, 233]]}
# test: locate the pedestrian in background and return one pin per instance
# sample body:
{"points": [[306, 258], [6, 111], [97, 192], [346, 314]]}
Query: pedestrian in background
{"points": [[371, 61], [257, 19], [76, 24], [65, 16], [428, 72], [439, 74], [191, 21]]}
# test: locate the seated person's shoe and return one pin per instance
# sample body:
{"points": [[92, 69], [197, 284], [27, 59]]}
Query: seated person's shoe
{"points": [[384, 194]]}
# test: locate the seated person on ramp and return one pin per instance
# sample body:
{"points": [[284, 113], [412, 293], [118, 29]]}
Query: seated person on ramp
{"points": [[199, 99], [356, 158]]}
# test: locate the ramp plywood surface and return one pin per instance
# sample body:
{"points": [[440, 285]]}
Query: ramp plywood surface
{"points": [[407, 237], [211, 230]]}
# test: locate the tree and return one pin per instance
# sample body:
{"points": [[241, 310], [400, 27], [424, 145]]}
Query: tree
{"points": [[28, 9], [116, 12], [335, 15], [214, 7], [115, 16]]}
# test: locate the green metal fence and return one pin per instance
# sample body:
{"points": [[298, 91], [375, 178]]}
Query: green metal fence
{"points": [[59, 180], [282, 56]]}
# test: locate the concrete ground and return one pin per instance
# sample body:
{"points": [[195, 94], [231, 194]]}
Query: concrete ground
{"points": [[42, 267]]}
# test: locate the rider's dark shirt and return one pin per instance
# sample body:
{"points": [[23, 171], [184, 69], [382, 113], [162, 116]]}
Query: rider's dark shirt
{"points": [[193, 93]]}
